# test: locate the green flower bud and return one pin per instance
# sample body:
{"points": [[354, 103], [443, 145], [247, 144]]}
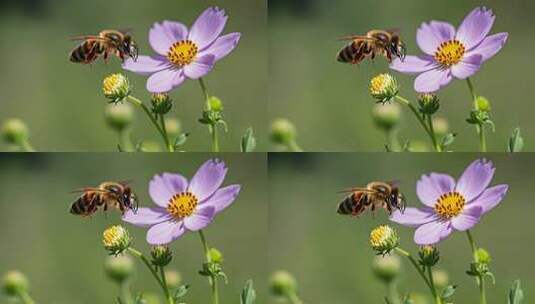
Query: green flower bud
{"points": [[384, 88], [386, 268], [161, 255], [429, 103], [386, 116], [15, 283], [215, 255], [116, 239], [483, 104], [150, 298], [282, 283], [161, 103], [441, 278], [483, 256], [429, 256], [173, 127], [15, 131], [384, 239], [116, 87], [119, 116], [173, 278], [417, 298], [283, 131], [119, 268], [441, 126], [215, 104]]}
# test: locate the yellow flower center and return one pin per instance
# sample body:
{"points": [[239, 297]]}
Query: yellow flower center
{"points": [[182, 53], [379, 235], [182, 205], [379, 83], [113, 236], [450, 53], [113, 83], [450, 205]]}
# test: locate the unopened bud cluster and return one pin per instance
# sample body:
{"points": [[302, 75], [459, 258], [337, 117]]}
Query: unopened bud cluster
{"points": [[384, 239], [384, 88], [116, 87], [116, 239]]}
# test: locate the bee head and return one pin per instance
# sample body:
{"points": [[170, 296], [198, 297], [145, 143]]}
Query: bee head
{"points": [[397, 47], [397, 200], [130, 48]]}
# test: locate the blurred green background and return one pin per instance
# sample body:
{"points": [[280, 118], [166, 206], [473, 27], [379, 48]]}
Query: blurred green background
{"points": [[329, 102], [62, 102], [62, 254], [329, 253]]}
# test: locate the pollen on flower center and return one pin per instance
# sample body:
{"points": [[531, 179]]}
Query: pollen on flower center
{"points": [[182, 53], [450, 53], [450, 205], [182, 205]]}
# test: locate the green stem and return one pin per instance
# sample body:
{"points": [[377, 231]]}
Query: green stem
{"points": [[25, 298], [418, 268], [434, 137], [479, 280], [124, 140], [166, 290], [213, 279], [152, 269], [393, 292], [140, 104], [294, 299], [125, 292], [213, 127], [438, 300], [168, 145], [479, 128], [407, 103], [294, 147]]}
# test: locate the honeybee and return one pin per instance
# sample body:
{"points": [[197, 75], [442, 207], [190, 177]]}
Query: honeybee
{"points": [[375, 195], [106, 43], [375, 42], [117, 195]]}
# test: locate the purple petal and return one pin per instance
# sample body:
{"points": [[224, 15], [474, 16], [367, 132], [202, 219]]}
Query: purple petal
{"points": [[468, 218], [208, 27], [432, 80], [163, 187], [145, 65], [223, 197], [475, 179], [430, 187], [491, 197], [467, 67], [200, 219], [163, 35], [200, 67], [413, 217], [145, 217], [432, 233], [223, 45], [475, 27], [164, 81], [208, 179], [165, 232], [490, 46], [413, 64], [430, 35]]}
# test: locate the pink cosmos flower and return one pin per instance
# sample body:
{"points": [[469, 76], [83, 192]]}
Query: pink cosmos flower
{"points": [[182, 206], [183, 53], [451, 54], [449, 205]]}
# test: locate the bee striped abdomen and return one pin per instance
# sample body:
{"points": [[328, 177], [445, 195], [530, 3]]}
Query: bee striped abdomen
{"points": [[353, 204], [349, 52], [86, 52], [86, 204]]}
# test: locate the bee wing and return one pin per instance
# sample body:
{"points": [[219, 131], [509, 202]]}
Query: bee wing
{"points": [[126, 30], [350, 190], [88, 189], [353, 37], [85, 37], [394, 183], [395, 30]]}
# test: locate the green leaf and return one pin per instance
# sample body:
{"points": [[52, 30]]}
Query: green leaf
{"points": [[448, 140], [516, 294], [248, 295], [248, 141], [516, 142], [448, 291], [180, 292]]}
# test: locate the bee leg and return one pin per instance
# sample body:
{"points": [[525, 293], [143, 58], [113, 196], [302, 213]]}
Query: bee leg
{"points": [[106, 57]]}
